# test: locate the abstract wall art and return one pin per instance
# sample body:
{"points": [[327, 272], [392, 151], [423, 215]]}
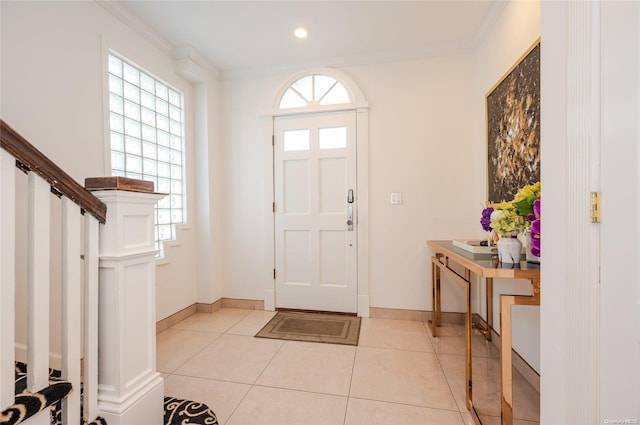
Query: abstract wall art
{"points": [[513, 128]]}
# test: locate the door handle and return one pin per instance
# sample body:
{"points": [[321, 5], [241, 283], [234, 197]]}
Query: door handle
{"points": [[350, 219], [350, 196]]}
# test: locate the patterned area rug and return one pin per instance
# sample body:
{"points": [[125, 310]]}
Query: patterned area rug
{"points": [[313, 327], [187, 412]]}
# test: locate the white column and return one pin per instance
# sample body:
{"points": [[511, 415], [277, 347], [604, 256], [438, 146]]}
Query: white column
{"points": [[130, 390], [571, 139]]}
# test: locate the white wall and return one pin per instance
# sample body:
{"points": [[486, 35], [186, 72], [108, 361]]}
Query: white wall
{"points": [[516, 29], [420, 133], [248, 261], [53, 93]]}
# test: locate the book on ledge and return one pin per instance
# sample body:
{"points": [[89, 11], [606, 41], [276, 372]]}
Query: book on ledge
{"points": [[473, 246]]}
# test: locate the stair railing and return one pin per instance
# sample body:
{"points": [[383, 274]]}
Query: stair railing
{"points": [[80, 263]]}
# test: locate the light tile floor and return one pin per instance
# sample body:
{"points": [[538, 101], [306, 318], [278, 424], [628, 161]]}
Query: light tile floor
{"points": [[397, 375]]}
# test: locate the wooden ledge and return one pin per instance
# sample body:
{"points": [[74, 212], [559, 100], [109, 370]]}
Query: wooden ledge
{"points": [[118, 183]]}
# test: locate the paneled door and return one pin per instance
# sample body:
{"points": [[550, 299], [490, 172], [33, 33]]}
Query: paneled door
{"points": [[316, 212]]}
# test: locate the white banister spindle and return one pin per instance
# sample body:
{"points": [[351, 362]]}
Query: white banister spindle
{"points": [[91, 263], [71, 308], [38, 283], [7, 276]]}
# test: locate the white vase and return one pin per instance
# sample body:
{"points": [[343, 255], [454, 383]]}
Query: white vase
{"points": [[509, 249]]}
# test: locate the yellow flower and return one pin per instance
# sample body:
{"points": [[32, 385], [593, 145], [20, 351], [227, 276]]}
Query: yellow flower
{"points": [[505, 206], [523, 200], [531, 191], [505, 219]]}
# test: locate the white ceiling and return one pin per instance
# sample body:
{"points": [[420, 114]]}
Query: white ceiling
{"points": [[245, 36]]}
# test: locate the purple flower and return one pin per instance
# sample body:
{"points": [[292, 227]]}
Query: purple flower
{"points": [[485, 220], [535, 228]]}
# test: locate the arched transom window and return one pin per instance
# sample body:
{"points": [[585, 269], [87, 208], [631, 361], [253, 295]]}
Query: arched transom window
{"points": [[313, 90]]}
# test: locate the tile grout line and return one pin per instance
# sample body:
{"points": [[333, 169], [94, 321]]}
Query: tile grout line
{"points": [[202, 349], [353, 369], [251, 386], [219, 334], [195, 354], [268, 363], [397, 403], [446, 378]]}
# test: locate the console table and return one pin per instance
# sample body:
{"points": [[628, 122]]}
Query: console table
{"points": [[483, 266]]}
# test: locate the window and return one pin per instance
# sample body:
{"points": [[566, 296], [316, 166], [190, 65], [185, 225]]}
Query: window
{"points": [[147, 141], [297, 140], [332, 138], [314, 88]]}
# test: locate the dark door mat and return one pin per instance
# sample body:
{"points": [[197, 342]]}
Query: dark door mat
{"points": [[313, 327]]}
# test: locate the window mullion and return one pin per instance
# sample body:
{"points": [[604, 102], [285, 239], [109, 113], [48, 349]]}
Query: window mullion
{"points": [[328, 91]]}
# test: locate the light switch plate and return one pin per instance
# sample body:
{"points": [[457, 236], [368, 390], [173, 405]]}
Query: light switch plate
{"points": [[396, 198]]}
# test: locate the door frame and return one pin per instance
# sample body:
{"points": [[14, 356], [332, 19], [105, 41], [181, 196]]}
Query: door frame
{"points": [[360, 106]]}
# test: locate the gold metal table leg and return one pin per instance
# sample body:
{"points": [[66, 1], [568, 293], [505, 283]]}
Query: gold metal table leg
{"points": [[466, 284], [489, 304], [435, 294], [506, 377], [486, 330]]}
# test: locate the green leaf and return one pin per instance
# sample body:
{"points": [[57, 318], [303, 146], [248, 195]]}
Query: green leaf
{"points": [[524, 206]]}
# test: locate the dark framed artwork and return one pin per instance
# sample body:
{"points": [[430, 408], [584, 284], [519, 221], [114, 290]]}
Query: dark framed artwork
{"points": [[513, 128]]}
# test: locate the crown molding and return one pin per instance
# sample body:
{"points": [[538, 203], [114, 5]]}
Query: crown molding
{"points": [[353, 60], [126, 17], [488, 23], [188, 53], [174, 52]]}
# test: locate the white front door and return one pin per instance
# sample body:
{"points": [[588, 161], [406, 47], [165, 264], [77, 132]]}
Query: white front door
{"points": [[315, 212]]}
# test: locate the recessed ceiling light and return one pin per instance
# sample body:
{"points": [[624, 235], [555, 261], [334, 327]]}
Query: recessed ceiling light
{"points": [[300, 32]]}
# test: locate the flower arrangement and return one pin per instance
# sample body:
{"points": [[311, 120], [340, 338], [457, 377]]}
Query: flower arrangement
{"points": [[512, 217]]}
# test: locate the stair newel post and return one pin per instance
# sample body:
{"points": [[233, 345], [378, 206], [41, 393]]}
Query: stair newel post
{"points": [[130, 390]]}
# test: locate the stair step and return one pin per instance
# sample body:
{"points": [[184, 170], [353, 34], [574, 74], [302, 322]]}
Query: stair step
{"points": [[28, 404]]}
